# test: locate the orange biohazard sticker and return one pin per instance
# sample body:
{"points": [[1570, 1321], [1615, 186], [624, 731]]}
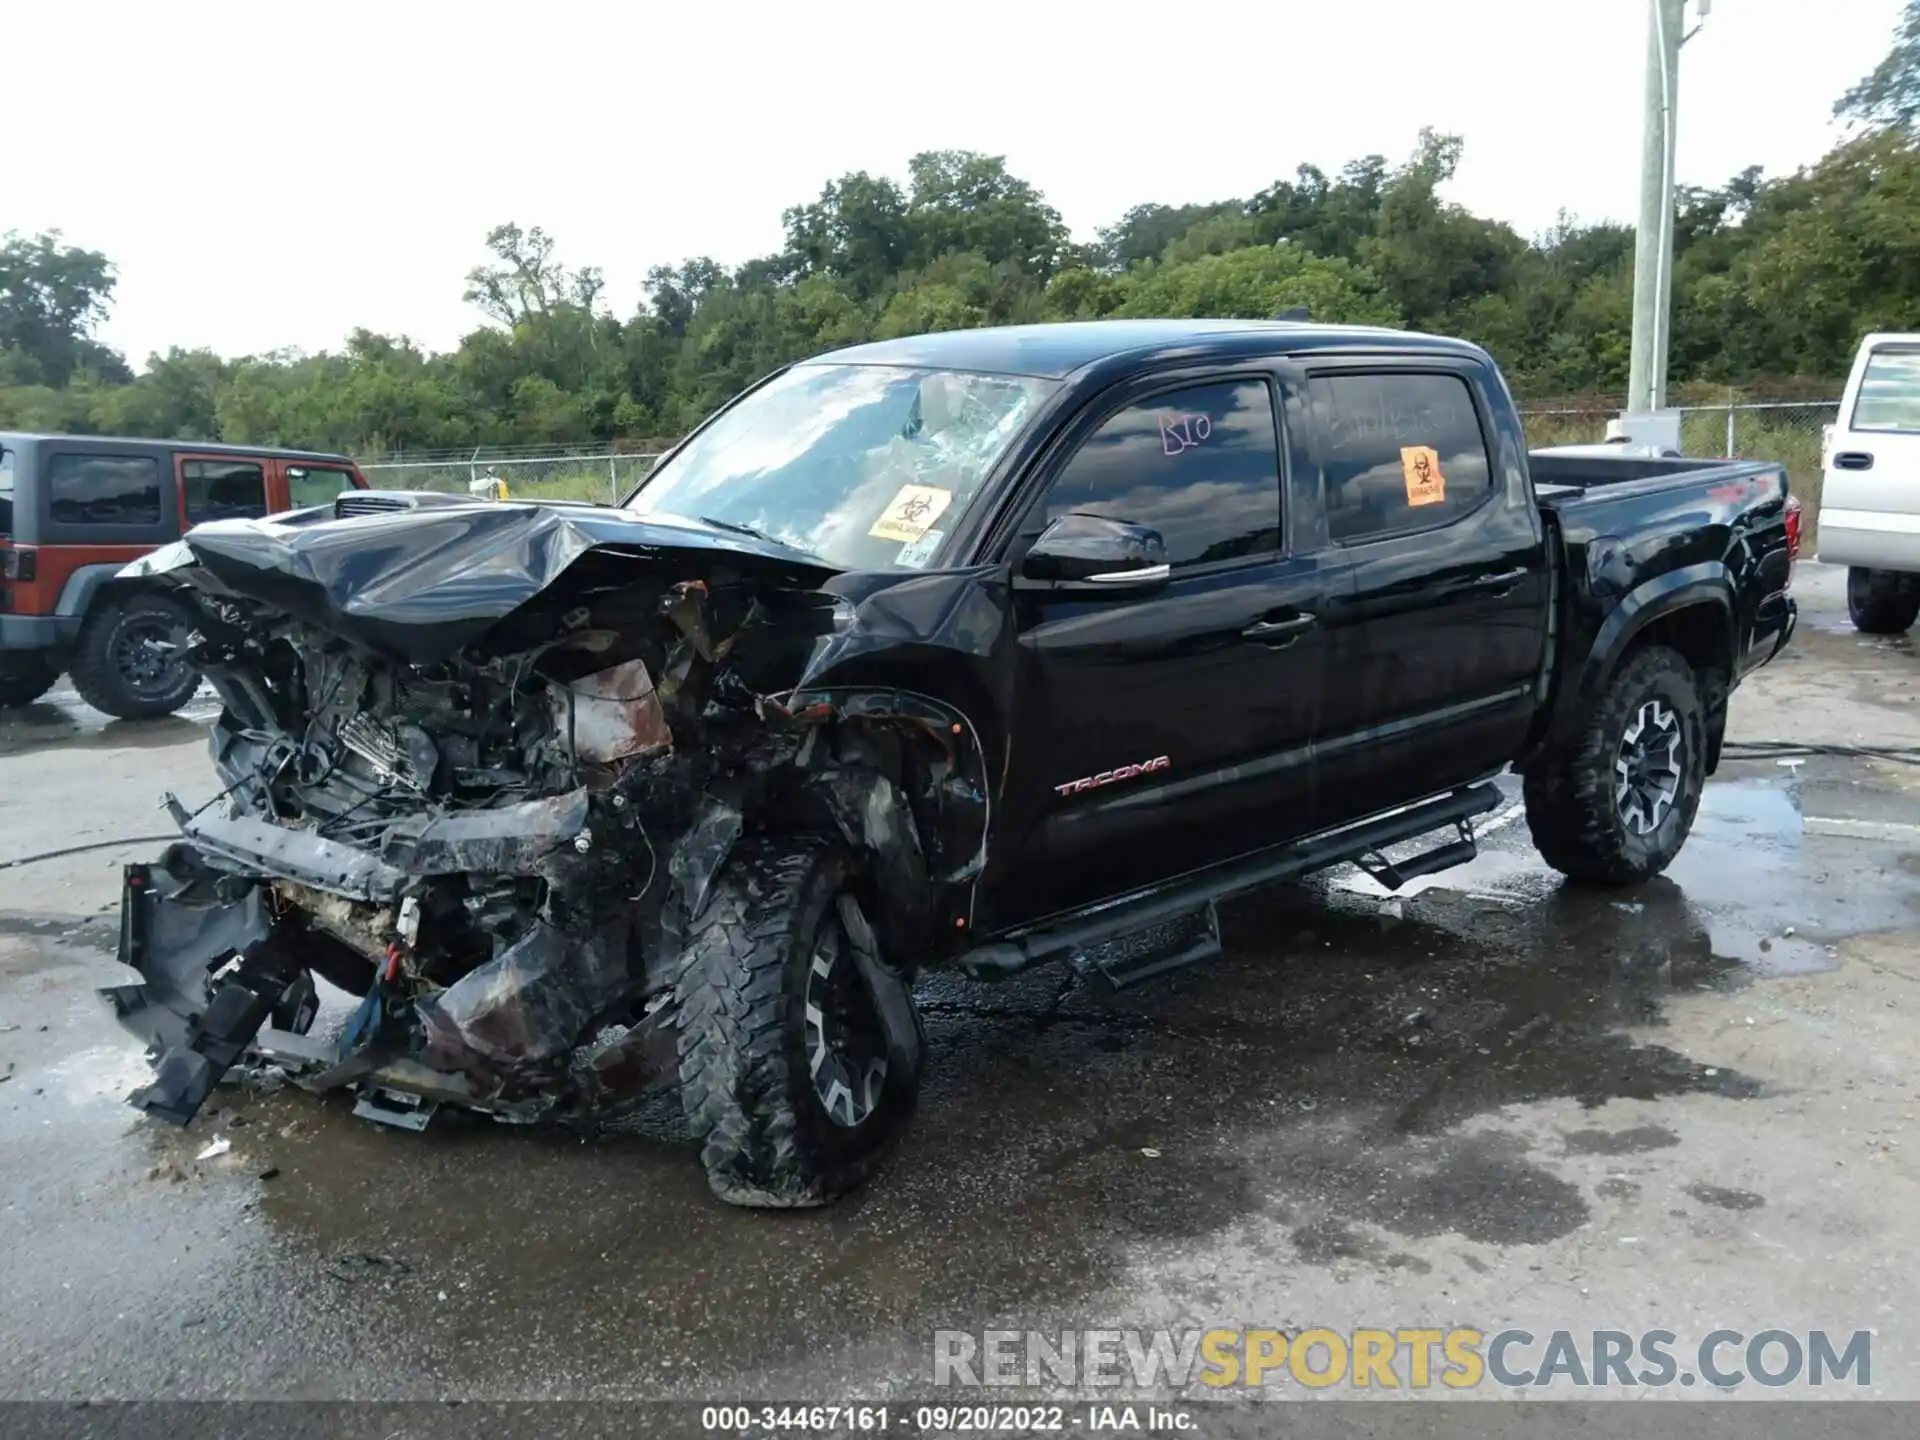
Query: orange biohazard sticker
{"points": [[1425, 484], [911, 513]]}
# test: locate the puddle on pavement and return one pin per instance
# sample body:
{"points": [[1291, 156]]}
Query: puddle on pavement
{"points": [[1744, 877], [1316, 1079]]}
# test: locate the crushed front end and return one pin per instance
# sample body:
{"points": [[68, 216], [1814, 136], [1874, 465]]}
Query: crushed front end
{"points": [[478, 775]]}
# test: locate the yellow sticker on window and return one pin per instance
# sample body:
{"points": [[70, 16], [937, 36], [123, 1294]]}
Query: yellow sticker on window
{"points": [[911, 513], [1425, 484]]}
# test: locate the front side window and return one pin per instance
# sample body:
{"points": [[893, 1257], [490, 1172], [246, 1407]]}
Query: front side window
{"points": [[223, 490], [1889, 392], [103, 489], [866, 467], [1399, 452], [310, 485], [1200, 465]]}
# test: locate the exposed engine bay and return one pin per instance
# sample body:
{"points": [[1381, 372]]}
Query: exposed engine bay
{"points": [[481, 762]]}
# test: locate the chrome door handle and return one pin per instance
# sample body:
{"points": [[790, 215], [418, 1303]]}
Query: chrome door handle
{"points": [[1503, 582], [1145, 575], [1266, 632]]}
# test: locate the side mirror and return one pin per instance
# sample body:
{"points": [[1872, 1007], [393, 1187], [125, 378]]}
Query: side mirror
{"points": [[1096, 554]]}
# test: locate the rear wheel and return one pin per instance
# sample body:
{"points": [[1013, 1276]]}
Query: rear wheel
{"points": [[1882, 602], [24, 677], [1615, 805], [131, 660], [786, 1074]]}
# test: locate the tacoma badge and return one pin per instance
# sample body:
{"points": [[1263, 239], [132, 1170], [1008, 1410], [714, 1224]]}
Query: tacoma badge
{"points": [[1119, 772]]}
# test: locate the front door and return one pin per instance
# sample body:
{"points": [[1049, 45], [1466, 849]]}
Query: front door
{"points": [[220, 487], [309, 484], [1163, 731]]}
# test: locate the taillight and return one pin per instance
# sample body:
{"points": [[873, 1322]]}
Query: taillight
{"points": [[1793, 527], [17, 564]]}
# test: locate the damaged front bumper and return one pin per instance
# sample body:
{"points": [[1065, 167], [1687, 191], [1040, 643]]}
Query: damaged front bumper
{"points": [[228, 929]]}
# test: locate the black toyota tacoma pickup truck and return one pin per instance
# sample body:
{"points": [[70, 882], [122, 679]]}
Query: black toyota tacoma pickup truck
{"points": [[981, 649]]}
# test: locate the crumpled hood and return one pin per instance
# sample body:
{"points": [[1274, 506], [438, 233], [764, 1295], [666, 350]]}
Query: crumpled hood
{"points": [[424, 583]]}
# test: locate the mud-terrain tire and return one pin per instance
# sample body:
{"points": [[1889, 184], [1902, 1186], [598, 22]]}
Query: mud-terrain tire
{"points": [[24, 678], [755, 1009], [1614, 806], [1882, 602], [115, 667]]}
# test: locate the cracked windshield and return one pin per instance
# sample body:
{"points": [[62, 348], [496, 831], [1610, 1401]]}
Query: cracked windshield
{"points": [[865, 466]]}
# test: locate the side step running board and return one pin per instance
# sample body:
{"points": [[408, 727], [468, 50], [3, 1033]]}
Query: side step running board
{"points": [[1141, 954], [1102, 938], [1395, 873]]}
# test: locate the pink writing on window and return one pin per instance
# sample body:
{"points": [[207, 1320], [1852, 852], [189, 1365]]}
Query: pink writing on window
{"points": [[1181, 432]]}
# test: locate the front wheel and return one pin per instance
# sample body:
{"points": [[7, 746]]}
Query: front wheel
{"points": [[1882, 602], [1614, 806], [792, 1081], [131, 660]]}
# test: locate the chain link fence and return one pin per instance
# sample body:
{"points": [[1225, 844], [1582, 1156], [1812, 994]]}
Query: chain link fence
{"points": [[1787, 431], [556, 475]]}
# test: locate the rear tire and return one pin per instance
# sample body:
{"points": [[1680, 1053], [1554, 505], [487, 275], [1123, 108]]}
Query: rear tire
{"points": [[1882, 602], [25, 677], [1615, 805], [129, 663], [784, 1072]]}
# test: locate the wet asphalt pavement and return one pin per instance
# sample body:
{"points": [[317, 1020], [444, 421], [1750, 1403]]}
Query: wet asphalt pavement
{"points": [[1492, 1101]]}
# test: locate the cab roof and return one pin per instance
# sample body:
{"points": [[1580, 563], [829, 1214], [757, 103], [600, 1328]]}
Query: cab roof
{"points": [[1058, 350], [198, 447]]}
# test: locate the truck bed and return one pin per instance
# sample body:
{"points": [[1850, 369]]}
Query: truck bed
{"points": [[1624, 524], [1588, 472]]}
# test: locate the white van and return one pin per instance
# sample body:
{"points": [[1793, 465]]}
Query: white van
{"points": [[1870, 502]]}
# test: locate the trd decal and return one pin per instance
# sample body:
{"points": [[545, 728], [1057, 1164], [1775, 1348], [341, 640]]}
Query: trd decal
{"points": [[1119, 772]]}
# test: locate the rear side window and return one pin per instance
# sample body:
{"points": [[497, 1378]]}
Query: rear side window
{"points": [[1201, 466], [1398, 452], [1889, 396], [103, 489], [223, 490], [309, 485], [6, 491]]}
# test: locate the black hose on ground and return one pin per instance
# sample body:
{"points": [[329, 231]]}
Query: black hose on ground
{"points": [[1799, 750], [83, 849]]}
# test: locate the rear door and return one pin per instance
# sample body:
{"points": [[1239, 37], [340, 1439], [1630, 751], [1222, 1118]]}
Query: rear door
{"points": [[1870, 502], [1436, 653], [1158, 732], [220, 487]]}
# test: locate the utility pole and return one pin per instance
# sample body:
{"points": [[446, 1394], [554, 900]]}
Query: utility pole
{"points": [[1653, 242]]}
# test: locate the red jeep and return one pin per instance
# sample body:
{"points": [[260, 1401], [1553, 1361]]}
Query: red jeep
{"points": [[75, 509]]}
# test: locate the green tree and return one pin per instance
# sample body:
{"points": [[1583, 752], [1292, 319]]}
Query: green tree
{"points": [[1145, 231], [1433, 257], [857, 233], [964, 201], [525, 280], [1889, 97], [1256, 284], [51, 296]]}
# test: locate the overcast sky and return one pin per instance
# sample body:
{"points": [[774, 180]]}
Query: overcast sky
{"points": [[271, 173]]}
